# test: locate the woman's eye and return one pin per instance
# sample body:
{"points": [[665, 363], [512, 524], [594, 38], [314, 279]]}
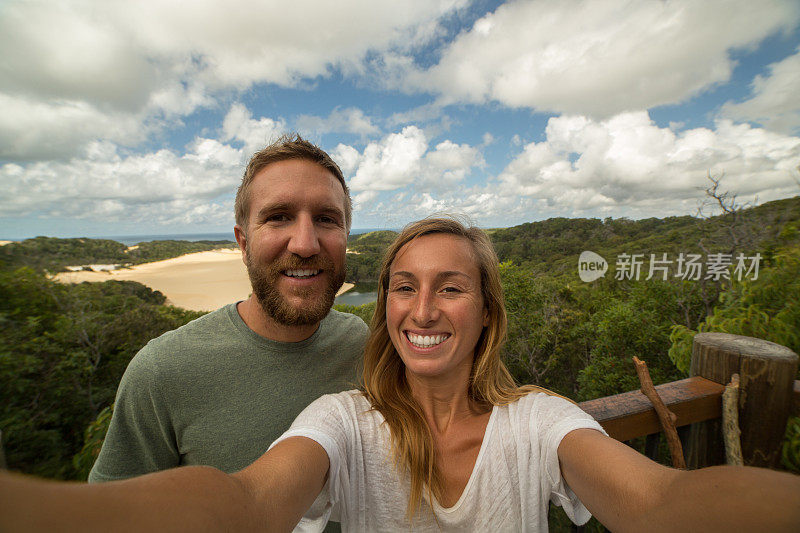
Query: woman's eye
{"points": [[451, 290]]}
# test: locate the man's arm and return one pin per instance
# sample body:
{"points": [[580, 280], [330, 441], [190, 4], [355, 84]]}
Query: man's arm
{"points": [[628, 492], [270, 495]]}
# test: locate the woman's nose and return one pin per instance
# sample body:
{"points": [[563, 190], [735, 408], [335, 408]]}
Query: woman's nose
{"points": [[425, 309]]}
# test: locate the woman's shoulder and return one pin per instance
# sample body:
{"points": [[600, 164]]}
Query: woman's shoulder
{"points": [[541, 406], [533, 396], [345, 404]]}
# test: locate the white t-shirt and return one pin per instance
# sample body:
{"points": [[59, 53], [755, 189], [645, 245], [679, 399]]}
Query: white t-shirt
{"points": [[515, 476]]}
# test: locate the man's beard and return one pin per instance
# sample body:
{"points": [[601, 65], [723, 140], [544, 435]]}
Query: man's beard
{"points": [[264, 280]]}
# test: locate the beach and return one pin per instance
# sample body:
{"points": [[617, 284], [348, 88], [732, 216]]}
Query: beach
{"points": [[202, 281]]}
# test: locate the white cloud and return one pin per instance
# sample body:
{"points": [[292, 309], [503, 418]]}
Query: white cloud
{"points": [[596, 58], [391, 163], [622, 166], [103, 185], [136, 63], [239, 125], [629, 162], [346, 157], [349, 120], [774, 102], [34, 129], [402, 159], [448, 164]]}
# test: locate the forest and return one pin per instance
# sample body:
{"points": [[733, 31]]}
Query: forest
{"points": [[55, 255], [63, 347]]}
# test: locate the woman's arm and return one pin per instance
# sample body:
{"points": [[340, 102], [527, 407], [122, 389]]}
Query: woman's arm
{"points": [[628, 492], [270, 495]]}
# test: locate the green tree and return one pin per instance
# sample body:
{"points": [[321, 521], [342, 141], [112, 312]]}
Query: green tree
{"points": [[63, 349]]}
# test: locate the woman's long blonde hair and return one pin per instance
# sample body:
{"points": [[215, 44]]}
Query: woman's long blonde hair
{"points": [[385, 384]]}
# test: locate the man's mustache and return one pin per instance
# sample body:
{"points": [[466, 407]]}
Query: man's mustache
{"points": [[295, 262]]}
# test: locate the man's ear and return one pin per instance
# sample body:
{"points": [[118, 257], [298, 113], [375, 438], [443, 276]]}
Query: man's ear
{"points": [[241, 238]]}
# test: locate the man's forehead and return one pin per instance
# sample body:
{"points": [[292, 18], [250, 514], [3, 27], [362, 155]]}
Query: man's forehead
{"points": [[296, 181]]}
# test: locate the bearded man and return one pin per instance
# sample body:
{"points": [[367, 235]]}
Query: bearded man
{"points": [[220, 389]]}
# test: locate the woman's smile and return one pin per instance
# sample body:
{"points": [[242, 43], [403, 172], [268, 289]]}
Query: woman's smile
{"points": [[426, 340]]}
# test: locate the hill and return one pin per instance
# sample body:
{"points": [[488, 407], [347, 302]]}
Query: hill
{"points": [[552, 246], [55, 255]]}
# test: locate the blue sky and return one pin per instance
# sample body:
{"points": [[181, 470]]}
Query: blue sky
{"points": [[121, 118]]}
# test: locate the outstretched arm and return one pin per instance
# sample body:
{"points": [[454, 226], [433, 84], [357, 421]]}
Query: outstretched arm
{"points": [[270, 495], [628, 492]]}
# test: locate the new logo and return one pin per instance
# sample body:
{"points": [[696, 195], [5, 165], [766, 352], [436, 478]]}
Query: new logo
{"points": [[591, 266]]}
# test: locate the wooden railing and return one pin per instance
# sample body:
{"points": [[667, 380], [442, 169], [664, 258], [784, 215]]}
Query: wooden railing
{"points": [[630, 414], [769, 394]]}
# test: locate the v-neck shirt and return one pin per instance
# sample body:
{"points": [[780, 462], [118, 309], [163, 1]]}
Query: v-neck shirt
{"points": [[515, 475]]}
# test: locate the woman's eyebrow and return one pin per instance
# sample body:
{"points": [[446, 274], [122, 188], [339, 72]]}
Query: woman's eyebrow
{"points": [[452, 274], [439, 276]]}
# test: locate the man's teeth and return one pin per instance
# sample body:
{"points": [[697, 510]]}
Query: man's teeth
{"points": [[426, 341], [305, 273]]}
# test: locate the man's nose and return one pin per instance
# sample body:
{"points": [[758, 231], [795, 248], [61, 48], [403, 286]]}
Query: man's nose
{"points": [[304, 240], [425, 309]]}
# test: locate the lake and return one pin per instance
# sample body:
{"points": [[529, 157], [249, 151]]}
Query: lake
{"points": [[362, 293]]}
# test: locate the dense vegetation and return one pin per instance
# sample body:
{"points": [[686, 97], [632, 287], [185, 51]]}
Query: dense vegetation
{"points": [[54, 255], [63, 348]]}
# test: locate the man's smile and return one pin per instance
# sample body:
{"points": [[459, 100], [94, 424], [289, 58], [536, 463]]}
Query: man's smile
{"points": [[301, 273]]}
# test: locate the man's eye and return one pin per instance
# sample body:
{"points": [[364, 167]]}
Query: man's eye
{"points": [[278, 217], [328, 219]]}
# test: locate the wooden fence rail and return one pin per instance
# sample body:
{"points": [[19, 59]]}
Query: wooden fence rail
{"points": [[630, 414], [769, 394]]}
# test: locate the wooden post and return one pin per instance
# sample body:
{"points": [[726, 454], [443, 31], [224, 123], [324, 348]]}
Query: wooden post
{"points": [[3, 465], [767, 372]]}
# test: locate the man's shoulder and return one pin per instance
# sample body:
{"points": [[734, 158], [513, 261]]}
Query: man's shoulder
{"points": [[202, 327], [200, 332]]}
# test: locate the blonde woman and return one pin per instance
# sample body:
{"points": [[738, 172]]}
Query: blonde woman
{"points": [[439, 439]]}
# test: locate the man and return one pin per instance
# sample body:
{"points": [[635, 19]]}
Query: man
{"points": [[220, 389]]}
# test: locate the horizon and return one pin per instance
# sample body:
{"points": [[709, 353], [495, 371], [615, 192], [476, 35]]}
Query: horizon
{"points": [[165, 235], [124, 117]]}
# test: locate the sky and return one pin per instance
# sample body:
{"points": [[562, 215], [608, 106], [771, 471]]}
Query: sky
{"points": [[132, 118]]}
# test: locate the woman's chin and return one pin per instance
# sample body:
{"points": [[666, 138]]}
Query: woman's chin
{"points": [[434, 370]]}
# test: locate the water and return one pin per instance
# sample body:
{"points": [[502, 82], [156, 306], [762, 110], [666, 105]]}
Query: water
{"points": [[362, 293], [130, 240], [353, 297]]}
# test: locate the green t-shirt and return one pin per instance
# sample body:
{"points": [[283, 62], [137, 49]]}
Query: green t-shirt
{"points": [[213, 392]]}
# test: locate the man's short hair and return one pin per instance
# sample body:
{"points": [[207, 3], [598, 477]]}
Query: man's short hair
{"points": [[289, 146]]}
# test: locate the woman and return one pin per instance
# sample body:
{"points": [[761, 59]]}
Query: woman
{"points": [[432, 371], [461, 446]]}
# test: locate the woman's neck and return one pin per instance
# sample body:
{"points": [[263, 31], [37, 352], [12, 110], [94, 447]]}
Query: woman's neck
{"points": [[444, 402]]}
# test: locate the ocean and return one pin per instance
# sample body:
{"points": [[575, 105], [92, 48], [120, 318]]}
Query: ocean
{"points": [[130, 240]]}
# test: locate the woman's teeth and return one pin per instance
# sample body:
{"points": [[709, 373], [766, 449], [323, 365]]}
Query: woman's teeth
{"points": [[425, 341], [301, 273]]}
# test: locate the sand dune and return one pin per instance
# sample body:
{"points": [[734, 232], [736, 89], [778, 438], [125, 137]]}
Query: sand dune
{"points": [[201, 281]]}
